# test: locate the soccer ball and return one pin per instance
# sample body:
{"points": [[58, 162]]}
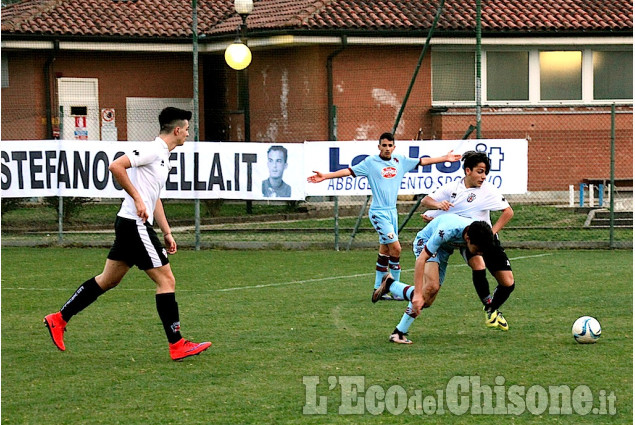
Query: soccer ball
{"points": [[586, 330]]}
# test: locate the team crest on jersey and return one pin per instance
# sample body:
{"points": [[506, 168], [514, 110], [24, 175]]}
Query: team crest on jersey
{"points": [[471, 197], [389, 172]]}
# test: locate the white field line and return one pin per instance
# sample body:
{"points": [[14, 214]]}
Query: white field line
{"points": [[264, 285]]}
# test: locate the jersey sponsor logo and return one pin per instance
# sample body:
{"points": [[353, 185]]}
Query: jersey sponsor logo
{"points": [[389, 172], [471, 197]]}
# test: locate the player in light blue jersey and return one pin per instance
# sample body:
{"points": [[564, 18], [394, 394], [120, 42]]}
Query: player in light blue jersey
{"points": [[384, 173], [432, 248]]}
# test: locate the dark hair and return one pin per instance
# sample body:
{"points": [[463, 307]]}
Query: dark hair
{"points": [[480, 234], [387, 136], [472, 158], [169, 116], [278, 148]]}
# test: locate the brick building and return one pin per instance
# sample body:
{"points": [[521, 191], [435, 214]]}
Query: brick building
{"points": [[550, 71]]}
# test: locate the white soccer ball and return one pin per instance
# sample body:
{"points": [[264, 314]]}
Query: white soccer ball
{"points": [[586, 330]]}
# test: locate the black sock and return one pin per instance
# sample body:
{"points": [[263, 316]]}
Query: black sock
{"points": [[84, 296], [479, 278], [168, 310], [501, 293]]}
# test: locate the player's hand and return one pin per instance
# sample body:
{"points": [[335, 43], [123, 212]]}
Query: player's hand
{"points": [[426, 218], [444, 205], [417, 303], [170, 243], [450, 157], [316, 178], [142, 212]]}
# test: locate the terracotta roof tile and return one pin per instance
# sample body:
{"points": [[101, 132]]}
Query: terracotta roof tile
{"points": [[172, 18]]}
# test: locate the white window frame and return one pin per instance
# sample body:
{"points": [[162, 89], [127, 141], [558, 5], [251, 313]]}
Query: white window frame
{"points": [[534, 73]]}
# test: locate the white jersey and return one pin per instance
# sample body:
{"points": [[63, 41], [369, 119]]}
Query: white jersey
{"points": [[473, 202], [148, 174]]}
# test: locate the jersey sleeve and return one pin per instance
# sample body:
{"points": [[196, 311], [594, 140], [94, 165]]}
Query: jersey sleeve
{"points": [[361, 169], [495, 200], [443, 193], [142, 156], [410, 164]]}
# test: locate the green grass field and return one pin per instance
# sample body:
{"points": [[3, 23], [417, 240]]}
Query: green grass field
{"points": [[281, 321]]}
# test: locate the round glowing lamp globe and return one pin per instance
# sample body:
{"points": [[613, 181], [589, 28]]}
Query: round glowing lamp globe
{"points": [[238, 56]]}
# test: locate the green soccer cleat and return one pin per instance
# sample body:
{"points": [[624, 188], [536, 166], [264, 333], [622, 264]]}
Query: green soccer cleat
{"points": [[501, 322], [495, 320]]}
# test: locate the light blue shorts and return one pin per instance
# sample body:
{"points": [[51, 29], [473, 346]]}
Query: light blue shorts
{"points": [[441, 257], [386, 225]]}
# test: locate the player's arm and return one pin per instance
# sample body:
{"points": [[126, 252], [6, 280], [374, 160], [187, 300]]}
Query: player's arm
{"points": [[504, 218], [432, 204], [419, 280], [318, 177], [118, 169], [162, 221], [450, 157]]}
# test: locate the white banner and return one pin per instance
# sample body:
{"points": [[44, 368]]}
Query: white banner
{"points": [[38, 168], [508, 158], [249, 171]]}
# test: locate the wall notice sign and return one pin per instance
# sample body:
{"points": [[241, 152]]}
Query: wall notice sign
{"points": [[108, 116], [81, 133]]}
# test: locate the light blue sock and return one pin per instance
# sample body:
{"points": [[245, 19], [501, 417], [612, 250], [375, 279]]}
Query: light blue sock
{"points": [[378, 277], [406, 320], [395, 268], [401, 290], [381, 269]]}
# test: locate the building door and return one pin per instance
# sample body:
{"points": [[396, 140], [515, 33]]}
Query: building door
{"points": [[79, 108]]}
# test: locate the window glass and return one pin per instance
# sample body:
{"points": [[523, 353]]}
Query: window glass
{"points": [[507, 76], [561, 75], [613, 75], [453, 76]]}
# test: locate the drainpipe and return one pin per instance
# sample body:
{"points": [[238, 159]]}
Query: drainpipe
{"points": [[329, 83], [47, 89], [332, 135]]}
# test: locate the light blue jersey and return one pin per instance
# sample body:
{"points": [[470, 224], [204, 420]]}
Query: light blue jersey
{"points": [[384, 177], [444, 232]]}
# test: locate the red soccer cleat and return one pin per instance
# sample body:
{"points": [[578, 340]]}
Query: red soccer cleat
{"points": [[184, 348], [56, 326]]}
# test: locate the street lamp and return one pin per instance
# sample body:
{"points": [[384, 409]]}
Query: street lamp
{"points": [[238, 57], [237, 54]]}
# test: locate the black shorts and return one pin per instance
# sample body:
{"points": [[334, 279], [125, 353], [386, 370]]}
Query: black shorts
{"points": [[495, 259], [137, 245]]}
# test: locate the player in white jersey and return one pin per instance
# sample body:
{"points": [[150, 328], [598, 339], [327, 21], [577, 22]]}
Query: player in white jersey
{"points": [[474, 197], [384, 173], [142, 173]]}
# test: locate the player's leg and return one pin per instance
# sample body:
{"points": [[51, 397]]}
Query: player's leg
{"points": [[381, 267], [394, 248], [430, 273], [168, 311], [498, 264], [389, 246], [85, 295], [479, 275]]}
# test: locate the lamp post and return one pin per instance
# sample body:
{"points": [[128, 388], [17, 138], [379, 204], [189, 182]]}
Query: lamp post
{"points": [[238, 57]]}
